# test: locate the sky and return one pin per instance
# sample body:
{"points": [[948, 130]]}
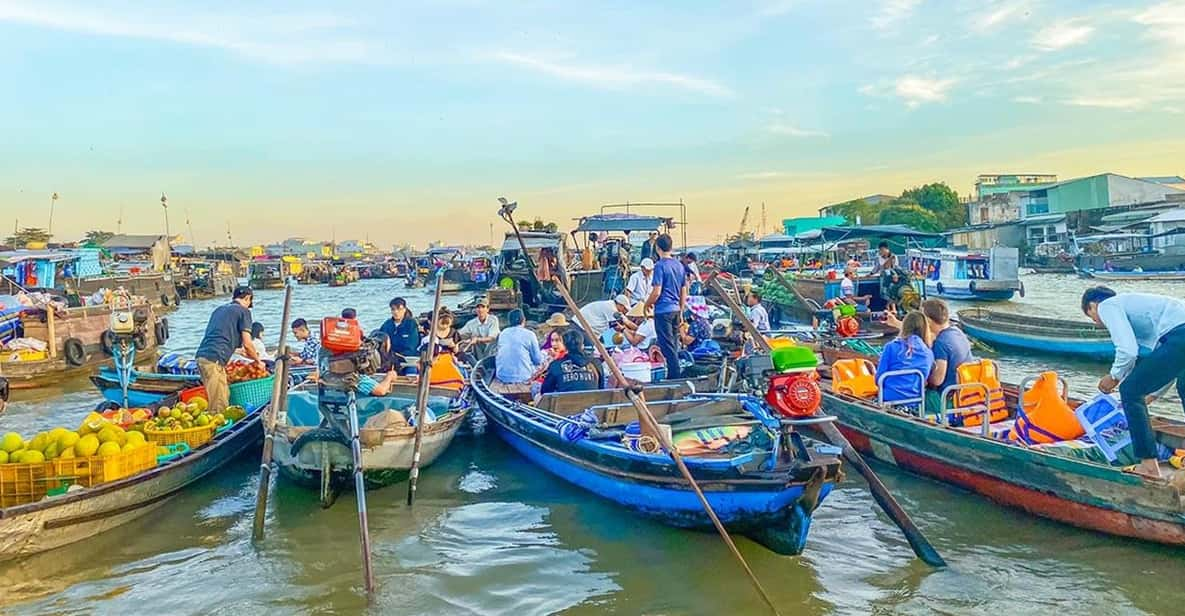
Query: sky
{"points": [[403, 123]]}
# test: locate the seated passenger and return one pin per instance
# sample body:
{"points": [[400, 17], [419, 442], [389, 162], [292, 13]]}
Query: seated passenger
{"points": [[517, 358], [908, 351], [575, 372], [848, 292]]}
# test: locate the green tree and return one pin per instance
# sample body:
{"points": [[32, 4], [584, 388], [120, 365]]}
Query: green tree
{"points": [[96, 238], [857, 211], [26, 236], [940, 200], [910, 214]]}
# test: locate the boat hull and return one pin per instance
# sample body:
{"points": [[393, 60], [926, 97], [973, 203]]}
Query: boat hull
{"points": [[1041, 334], [1100, 350], [1073, 492], [59, 521], [1137, 276], [982, 291], [774, 512]]}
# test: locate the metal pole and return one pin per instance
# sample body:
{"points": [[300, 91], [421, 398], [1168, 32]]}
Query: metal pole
{"points": [[422, 391], [269, 423], [52, 201]]}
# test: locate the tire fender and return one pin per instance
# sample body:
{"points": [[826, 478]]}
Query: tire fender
{"points": [[107, 342], [74, 352], [140, 341], [941, 288]]}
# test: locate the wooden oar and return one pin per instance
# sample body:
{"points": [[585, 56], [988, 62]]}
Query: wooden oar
{"points": [[921, 546], [269, 423], [650, 423], [422, 391]]}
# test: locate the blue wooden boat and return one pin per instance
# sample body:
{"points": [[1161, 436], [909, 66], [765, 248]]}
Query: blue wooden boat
{"points": [[1159, 276], [148, 389], [968, 275], [1082, 339], [766, 487]]}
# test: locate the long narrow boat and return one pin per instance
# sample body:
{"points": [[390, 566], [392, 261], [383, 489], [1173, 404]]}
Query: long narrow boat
{"points": [[303, 448], [81, 513], [144, 388], [1074, 338], [1073, 490], [766, 491], [1168, 276]]}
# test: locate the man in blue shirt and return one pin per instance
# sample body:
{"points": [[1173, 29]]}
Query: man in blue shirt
{"points": [[667, 299], [1154, 324], [951, 350], [229, 328], [404, 333], [518, 358]]}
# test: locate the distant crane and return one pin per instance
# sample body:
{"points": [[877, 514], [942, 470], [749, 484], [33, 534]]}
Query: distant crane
{"points": [[744, 223], [762, 219]]}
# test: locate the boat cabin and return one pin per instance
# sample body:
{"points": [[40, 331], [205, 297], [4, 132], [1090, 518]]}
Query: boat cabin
{"points": [[968, 275]]}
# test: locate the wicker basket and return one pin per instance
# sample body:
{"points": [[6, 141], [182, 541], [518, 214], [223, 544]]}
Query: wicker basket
{"points": [[252, 394], [194, 437]]}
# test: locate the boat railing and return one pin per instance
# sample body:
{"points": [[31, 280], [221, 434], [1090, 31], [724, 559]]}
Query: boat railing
{"points": [[880, 387], [984, 408]]}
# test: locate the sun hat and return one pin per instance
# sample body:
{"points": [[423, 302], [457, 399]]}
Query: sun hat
{"points": [[622, 300], [648, 263], [639, 311], [556, 320]]}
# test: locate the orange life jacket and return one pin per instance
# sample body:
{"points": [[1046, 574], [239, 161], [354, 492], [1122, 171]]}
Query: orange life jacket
{"points": [[854, 377], [1046, 416], [986, 372], [445, 372]]}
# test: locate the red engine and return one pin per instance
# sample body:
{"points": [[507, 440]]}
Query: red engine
{"points": [[847, 326], [341, 335], [795, 394]]}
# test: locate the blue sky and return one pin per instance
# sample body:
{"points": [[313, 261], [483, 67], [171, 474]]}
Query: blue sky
{"points": [[403, 123]]}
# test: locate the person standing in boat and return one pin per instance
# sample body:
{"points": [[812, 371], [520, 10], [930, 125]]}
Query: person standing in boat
{"points": [[404, 333], [650, 246], [1154, 324], [667, 299], [640, 284], [756, 312], [886, 261], [229, 328]]}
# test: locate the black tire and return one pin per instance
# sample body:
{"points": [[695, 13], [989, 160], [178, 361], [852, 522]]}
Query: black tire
{"points": [[162, 331], [1022, 289], [971, 286], [176, 300], [941, 288], [140, 341], [74, 352], [164, 300], [107, 342]]}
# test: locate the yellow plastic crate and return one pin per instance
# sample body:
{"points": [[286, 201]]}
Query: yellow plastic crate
{"points": [[24, 355], [97, 470], [195, 437], [26, 483]]}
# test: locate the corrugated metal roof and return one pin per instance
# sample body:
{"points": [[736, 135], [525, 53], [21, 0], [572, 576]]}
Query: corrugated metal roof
{"points": [[621, 222], [133, 241]]}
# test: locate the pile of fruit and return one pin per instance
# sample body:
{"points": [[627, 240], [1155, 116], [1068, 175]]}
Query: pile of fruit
{"points": [[190, 415], [239, 371], [774, 292], [95, 437]]}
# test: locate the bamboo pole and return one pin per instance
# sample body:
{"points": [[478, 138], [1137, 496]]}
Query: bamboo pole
{"points": [[269, 420], [650, 423], [53, 332], [424, 385], [880, 493]]}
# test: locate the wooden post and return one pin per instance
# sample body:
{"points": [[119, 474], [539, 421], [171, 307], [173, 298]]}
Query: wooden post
{"points": [[921, 546], [53, 332], [650, 424], [279, 392], [422, 391]]}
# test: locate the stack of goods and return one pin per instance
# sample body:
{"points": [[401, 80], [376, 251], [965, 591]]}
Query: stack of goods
{"points": [[24, 349], [240, 371], [250, 384], [47, 464], [188, 422], [774, 292]]}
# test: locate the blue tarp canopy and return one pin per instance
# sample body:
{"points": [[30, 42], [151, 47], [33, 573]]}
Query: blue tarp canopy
{"points": [[621, 222]]}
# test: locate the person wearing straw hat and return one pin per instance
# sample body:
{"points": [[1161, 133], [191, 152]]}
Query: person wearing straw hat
{"points": [[645, 335], [557, 321], [640, 284]]}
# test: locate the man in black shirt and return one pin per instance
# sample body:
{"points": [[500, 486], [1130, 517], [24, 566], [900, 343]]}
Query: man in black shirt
{"points": [[229, 328]]}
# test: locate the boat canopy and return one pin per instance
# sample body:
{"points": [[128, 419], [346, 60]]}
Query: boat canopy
{"points": [[534, 240], [626, 223], [877, 232], [52, 256]]}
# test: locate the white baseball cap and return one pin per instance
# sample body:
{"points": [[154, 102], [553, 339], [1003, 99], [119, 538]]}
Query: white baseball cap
{"points": [[648, 263], [622, 300]]}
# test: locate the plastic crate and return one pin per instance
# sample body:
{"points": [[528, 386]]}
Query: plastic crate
{"points": [[252, 394], [24, 355], [96, 470], [194, 437], [188, 395], [26, 483]]}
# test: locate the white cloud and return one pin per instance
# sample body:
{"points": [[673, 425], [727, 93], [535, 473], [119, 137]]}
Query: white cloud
{"points": [[283, 40], [761, 175], [612, 77], [1062, 34], [893, 12], [774, 8], [1125, 103], [999, 14], [789, 130], [1027, 100], [1165, 21], [916, 90]]}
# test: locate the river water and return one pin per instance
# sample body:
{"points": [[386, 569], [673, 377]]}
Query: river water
{"points": [[491, 534]]}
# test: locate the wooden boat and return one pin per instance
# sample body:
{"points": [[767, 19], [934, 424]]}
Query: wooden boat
{"points": [[1079, 492], [268, 273], [205, 279], [78, 341], [766, 493], [1074, 338], [61, 520], [146, 389], [967, 275], [302, 448], [1177, 276]]}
